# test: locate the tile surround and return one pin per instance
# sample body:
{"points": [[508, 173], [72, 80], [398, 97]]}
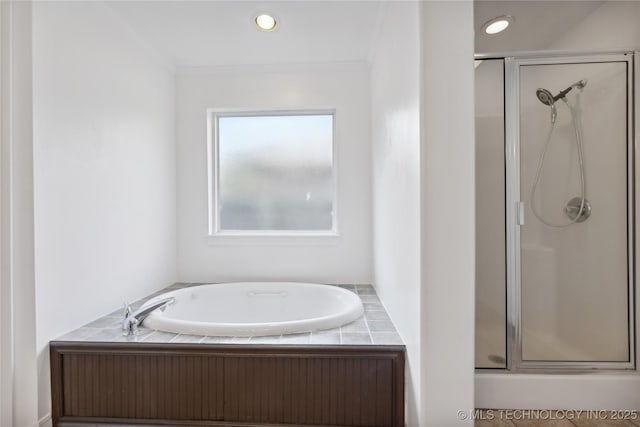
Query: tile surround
{"points": [[373, 328]]}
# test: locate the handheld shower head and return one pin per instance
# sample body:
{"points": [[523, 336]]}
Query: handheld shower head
{"points": [[547, 99], [545, 96]]}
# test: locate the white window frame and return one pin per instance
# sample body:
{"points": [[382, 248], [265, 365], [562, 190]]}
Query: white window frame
{"points": [[213, 114]]}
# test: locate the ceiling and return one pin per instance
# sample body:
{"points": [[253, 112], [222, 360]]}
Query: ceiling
{"points": [[536, 23], [220, 33], [216, 33]]}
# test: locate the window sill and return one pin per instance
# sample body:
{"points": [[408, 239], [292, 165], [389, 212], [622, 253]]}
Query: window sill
{"points": [[274, 239]]}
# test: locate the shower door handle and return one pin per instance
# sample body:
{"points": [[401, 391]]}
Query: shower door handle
{"points": [[520, 213]]}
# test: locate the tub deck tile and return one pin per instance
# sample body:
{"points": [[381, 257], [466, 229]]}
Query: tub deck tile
{"points": [[109, 335], [159, 336], [183, 338], [386, 338], [268, 339], [369, 299], [215, 340], [356, 338], [295, 338], [377, 315], [381, 326], [365, 290], [108, 321], [372, 306], [373, 328], [325, 337], [80, 334], [359, 325]]}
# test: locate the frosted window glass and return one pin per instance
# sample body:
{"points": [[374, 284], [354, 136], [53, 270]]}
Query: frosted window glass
{"points": [[275, 173]]}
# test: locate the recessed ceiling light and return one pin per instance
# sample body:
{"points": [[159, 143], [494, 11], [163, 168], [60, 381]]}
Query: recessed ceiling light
{"points": [[265, 22], [497, 25]]}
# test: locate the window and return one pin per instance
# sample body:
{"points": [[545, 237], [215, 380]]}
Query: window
{"points": [[272, 173]]}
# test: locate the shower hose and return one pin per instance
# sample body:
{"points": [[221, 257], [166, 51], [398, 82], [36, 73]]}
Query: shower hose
{"points": [[577, 127]]}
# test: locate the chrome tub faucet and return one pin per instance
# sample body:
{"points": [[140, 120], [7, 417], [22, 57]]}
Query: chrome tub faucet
{"points": [[133, 319]]}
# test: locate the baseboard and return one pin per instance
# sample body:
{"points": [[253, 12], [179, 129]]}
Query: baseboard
{"points": [[45, 421]]}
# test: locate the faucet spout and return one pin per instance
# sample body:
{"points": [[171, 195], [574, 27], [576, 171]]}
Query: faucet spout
{"points": [[132, 320]]}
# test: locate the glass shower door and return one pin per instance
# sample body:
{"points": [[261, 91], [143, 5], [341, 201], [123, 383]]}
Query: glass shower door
{"points": [[573, 216], [491, 309]]}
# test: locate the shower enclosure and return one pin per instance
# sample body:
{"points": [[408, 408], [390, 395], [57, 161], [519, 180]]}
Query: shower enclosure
{"points": [[555, 212]]}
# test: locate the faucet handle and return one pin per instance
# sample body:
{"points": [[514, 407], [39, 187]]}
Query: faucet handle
{"points": [[134, 326], [127, 310]]}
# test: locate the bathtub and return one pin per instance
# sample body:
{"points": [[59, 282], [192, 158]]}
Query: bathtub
{"points": [[254, 309]]}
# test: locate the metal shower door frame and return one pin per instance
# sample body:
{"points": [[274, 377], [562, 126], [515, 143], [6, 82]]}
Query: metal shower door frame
{"points": [[512, 206]]}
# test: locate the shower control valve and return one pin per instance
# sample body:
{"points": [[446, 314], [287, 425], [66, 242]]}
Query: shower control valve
{"points": [[578, 209]]}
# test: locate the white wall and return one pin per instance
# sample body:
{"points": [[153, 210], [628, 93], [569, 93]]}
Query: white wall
{"points": [[104, 165], [424, 196], [343, 259], [614, 25], [448, 212], [18, 377], [395, 118]]}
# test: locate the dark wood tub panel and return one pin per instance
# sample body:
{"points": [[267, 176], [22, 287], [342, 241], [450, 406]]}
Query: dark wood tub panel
{"points": [[223, 385]]}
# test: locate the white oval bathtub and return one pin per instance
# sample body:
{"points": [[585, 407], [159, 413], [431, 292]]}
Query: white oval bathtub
{"points": [[255, 309]]}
